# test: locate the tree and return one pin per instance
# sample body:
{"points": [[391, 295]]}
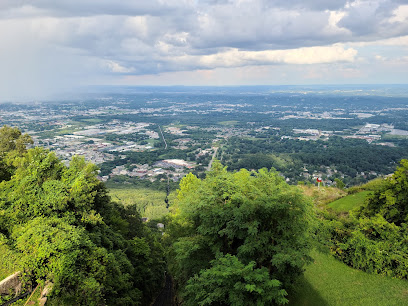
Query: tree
{"points": [[51, 249], [252, 221], [12, 143], [391, 199], [229, 282], [11, 139], [60, 225], [339, 183]]}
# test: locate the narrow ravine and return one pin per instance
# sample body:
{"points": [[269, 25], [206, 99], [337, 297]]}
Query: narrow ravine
{"points": [[166, 296]]}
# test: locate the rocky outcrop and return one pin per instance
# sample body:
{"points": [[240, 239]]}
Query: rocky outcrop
{"points": [[46, 291], [11, 284]]}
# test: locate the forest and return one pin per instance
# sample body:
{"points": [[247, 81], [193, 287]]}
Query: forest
{"points": [[290, 157], [240, 237]]}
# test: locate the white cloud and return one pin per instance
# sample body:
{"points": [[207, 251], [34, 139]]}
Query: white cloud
{"points": [[237, 58], [116, 67], [400, 14]]}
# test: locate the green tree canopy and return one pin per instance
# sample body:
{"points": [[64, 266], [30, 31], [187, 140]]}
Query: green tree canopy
{"points": [[60, 225], [11, 139], [12, 143], [229, 282], [251, 221], [391, 199]]}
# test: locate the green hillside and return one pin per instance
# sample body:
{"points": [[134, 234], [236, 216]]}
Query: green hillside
{"points": [[349, 202], [330, 282]]}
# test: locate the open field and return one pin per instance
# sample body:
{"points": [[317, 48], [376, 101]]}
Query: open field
{"points": [[228, 123], [92, 120], [328, 281], [349, 202], [393, 137]]}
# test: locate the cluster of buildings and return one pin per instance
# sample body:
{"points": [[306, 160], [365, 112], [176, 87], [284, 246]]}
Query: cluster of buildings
{"points": [[100, 140], [175, 169], [369, 132], [91, 141], [335, 114]]}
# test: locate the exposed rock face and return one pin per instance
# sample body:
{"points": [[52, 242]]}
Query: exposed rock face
{"points": [[46, 291], [11, 284]]}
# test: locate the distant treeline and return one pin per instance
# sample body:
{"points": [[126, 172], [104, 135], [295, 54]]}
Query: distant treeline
{"points": [[348, 156]]}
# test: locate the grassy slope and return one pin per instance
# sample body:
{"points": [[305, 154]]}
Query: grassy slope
{"points": [[349, 202], [330, 282], [150, 202]]}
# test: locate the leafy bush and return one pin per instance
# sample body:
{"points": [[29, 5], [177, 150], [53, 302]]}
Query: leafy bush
{"points": [[373, 238], [375, 184], [354, 190], [390, 200]]}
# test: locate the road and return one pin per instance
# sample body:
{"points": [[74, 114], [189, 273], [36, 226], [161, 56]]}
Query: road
{"points": [[165, 142], [212, 159]]}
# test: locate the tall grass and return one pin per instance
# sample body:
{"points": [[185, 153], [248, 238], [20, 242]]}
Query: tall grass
{"points": [[323, 195]]}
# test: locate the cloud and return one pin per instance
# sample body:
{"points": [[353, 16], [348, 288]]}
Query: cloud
{"points": [[54, 44], [400, 14], [301, 56], [98, 7], [374, 20], [250, 25], [399, 41], [116, 67]]}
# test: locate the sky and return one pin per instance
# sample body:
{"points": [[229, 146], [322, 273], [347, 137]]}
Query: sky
{"points": [[49, 46]]}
